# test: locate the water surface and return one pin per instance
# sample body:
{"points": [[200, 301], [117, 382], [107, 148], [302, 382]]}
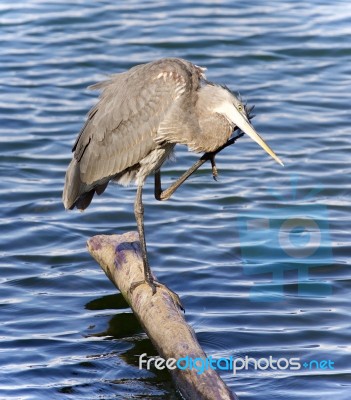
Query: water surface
{"points": [[260, 258]]}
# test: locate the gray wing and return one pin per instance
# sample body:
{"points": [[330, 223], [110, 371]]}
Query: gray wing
{"points": [[121, 129]]}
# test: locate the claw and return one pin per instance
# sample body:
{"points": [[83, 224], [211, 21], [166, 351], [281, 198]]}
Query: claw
{"points": [[153, 284], [214, 168]]}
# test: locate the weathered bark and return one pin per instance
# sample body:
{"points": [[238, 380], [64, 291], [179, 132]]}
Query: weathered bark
{"points": [[163, 321]]}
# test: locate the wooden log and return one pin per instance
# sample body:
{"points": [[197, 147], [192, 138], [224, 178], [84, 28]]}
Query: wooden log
{"points": [[162, 319]]}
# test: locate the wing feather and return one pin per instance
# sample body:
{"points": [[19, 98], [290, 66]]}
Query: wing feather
{"points": [[122, 128]]}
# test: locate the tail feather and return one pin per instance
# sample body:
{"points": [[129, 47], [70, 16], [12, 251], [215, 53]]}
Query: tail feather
{"points": [[84, 200], [72, 188], [77, 193]]}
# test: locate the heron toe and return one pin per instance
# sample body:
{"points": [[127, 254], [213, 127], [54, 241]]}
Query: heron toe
{"points": [[214, 167], [173, 295], [153, 284]]}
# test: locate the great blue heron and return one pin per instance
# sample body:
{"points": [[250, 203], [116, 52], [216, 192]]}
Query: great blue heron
{"points": [[142, 113]]}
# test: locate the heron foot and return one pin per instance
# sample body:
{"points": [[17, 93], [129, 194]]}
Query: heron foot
{"points": [[150, 282], [153, 284], [214, 167]]}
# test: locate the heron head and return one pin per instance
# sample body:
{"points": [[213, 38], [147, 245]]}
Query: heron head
{"points": [[233, 109]]}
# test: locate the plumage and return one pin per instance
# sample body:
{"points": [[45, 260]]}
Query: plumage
{"points": [[140, 116], [121, 129]]}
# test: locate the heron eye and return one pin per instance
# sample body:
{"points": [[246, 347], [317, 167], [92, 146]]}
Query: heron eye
{"points": [[240, 107]]}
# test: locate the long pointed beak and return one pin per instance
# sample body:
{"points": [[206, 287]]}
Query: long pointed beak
{"points": [[242, 123]]}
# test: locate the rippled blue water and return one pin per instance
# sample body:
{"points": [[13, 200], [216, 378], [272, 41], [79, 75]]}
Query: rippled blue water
{"points": [[260, 258]]}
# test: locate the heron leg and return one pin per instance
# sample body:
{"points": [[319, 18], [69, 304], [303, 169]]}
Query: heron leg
{"points": [[148, 278], [214, 166], [158, 187], [139, 216], [167, 193]]}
